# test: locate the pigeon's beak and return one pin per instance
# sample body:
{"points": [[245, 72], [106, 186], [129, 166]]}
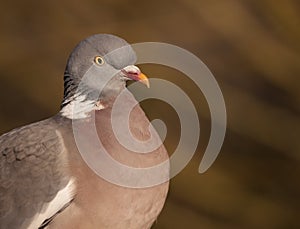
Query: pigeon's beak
{"points": [[132, 72]]}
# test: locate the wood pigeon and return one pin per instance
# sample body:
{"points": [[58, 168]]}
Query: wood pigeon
{"points": [[44, 180]]}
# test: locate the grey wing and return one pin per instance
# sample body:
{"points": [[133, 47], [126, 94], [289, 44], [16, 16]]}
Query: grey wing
{"points": [[32, 162]]}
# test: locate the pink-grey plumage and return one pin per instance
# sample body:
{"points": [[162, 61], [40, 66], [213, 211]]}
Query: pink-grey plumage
{"points": [[44, 182]]}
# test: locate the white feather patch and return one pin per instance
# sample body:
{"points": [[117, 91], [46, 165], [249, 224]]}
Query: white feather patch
{"points": [[63, 197], [79, 107]]}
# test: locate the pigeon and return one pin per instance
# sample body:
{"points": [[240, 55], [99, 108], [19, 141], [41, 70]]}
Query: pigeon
{"points": [[45, 180]]}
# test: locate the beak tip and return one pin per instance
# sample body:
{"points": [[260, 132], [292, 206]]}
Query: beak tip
{"points": [[148, 85], [144, 80]]}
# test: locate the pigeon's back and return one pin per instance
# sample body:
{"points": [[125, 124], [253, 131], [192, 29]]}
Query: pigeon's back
{"points": [[31, 173]]}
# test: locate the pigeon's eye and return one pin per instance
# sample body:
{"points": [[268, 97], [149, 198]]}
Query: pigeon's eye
{"points": [[99, 60]]}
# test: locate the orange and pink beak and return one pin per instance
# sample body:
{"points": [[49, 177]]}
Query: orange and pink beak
{"points": [[132, 72]]}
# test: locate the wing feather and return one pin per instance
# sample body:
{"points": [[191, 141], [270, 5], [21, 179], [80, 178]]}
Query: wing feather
{"points": [[32, 172]]}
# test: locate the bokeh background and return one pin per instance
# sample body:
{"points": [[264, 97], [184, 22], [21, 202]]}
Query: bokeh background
{"points": [[251, 46]]}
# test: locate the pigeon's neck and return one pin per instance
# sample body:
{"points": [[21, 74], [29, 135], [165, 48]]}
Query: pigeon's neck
{"points": [[78, 103], [79, 107]]}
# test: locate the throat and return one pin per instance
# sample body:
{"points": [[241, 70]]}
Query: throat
{"points": [[80, 107]]}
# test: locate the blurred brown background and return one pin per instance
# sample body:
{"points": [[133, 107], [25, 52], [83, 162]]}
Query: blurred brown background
{"points": [[251, 46]]}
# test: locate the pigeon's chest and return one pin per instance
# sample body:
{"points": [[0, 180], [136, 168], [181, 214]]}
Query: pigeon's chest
{"points": [[111, 206], [107, 205], [121, 207]]}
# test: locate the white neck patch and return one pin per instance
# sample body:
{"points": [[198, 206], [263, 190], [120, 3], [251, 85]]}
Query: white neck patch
{"points": [[80, 108]]}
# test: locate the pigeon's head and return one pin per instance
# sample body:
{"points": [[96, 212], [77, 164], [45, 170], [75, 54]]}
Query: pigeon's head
{"points": [[98, 69]]}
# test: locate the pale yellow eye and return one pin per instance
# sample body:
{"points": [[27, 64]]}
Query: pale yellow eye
{"points": [[99, 60]]}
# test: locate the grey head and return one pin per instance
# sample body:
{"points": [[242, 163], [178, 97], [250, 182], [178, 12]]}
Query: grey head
{"points": [[97, 70]]}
